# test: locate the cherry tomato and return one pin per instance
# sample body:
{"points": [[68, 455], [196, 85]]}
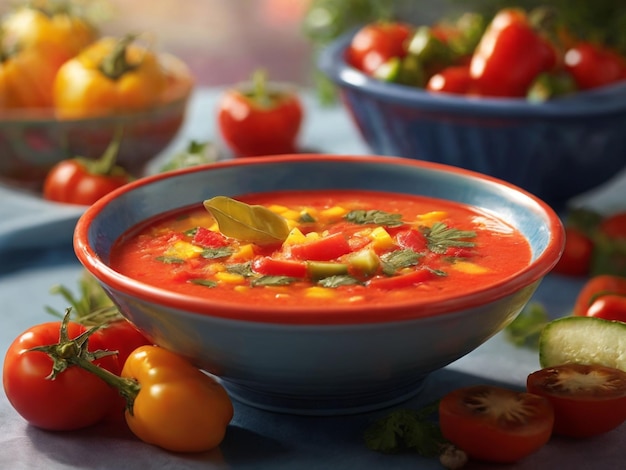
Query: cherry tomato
{"points": [[121, 336], [171, 403], [495, 424], [510, 55], [260, 120], [614, 226], [376, 43], [82, 181], [577, 254], [587, 399], [609, 307], [110, 76], [453, 79], [594, 66], [595, 288], [73, 399]]}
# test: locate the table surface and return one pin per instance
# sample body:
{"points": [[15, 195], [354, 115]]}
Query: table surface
{"points": [[36, 254]]}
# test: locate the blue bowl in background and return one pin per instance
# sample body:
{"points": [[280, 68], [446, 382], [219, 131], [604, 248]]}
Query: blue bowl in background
{"points": [[556, 150], [342, 358]]}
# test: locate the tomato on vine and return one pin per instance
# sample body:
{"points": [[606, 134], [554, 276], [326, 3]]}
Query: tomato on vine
{"points": [[83, 181], [260, 119], [46, 388], [376, 43]]}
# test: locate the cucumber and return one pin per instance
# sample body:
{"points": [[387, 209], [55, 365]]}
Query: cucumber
{"points": [[583, 340]]}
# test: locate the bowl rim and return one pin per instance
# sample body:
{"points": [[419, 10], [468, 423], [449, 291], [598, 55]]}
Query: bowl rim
{"points": [[331, 61], [333, 314]]}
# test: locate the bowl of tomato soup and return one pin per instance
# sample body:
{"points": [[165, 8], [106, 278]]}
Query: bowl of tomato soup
{"points": [[320, 284]]}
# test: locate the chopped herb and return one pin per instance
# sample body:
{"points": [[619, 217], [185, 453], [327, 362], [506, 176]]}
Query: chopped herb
{"points": [[214, 253], [243, 269], [440, 237], [338, 280], [170, 259], [306, 218], [395, 260], [526, 329], [203, 282], [191, 232], [272, 281], [406, 429], [437, 272], [376, 217]]}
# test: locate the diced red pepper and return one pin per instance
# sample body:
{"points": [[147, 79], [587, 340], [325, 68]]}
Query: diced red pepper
{"points": [[208, 238], [268, 266], [411, 239], [403, 280], [323, 249]]}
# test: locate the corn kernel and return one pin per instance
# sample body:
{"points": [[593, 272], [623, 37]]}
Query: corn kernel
{"points": [[469, 267], [381, 239], [230, 278], [319, 292], [295, 237], [335, 211], [184, 250], [291, 214], [245, 252], [241, 289], [429, 218], [277, 208]]}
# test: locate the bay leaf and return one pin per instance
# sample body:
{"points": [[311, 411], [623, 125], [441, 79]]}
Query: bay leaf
{"points": [[245, 222]]}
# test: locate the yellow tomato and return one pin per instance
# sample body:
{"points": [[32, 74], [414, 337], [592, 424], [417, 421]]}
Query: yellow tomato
{"points": [[26, 80], [59, 32], [111, 76]]}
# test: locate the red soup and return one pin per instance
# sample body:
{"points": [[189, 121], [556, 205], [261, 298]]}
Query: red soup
{"points": [[340, 247]]}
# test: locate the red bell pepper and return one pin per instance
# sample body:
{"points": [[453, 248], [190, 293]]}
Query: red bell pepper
{"points": [[323, 249], [510, 55]]}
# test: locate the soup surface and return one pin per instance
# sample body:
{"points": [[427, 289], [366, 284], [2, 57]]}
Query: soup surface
{"points": [[353, 247]]}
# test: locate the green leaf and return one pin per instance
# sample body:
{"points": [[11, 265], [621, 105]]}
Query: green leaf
{"points": [[337, 281], [375, 217], [249, 223], [526, 329], [203, 282], [272, 281], [405, 429], [440, 237], [395, 260]]}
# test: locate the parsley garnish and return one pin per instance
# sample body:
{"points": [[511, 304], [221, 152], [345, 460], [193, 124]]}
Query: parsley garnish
{"points": [[272, 281], [395, 260], [525, 330], [243, 269], [170, 259], [440, 237], [214, 253], [406, 429], [306, 218], [203, 282], [338, 280], [376, 217]]}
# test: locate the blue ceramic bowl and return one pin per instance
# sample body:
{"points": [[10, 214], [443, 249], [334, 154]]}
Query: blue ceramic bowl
{"points": [[556, 150], [341, 359]]}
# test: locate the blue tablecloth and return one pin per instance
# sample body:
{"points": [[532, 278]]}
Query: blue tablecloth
{"points": [[36, 253]]}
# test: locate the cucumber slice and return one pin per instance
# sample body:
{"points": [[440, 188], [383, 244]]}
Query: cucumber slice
{"points": [[583, 340]]}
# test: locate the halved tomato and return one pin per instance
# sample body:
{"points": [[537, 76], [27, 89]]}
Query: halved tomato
{"points": [[495, 424], [587, 399]]}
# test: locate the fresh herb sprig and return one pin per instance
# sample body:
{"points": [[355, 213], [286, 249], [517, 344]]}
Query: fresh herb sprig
{"points": [[440, 237], [376, 217]]}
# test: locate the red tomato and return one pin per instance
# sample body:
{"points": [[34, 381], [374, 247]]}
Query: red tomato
{"points": [[70, 181], [609, 307], [453, 79], [269, 266], [577, 254], [587, 399], [260, 121], [121, 336], [594, 66], [614, 226], [596, 287], [510, 55], [495, 424], [375, 43], [74, 399], [403, 280], [323, 249]]}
